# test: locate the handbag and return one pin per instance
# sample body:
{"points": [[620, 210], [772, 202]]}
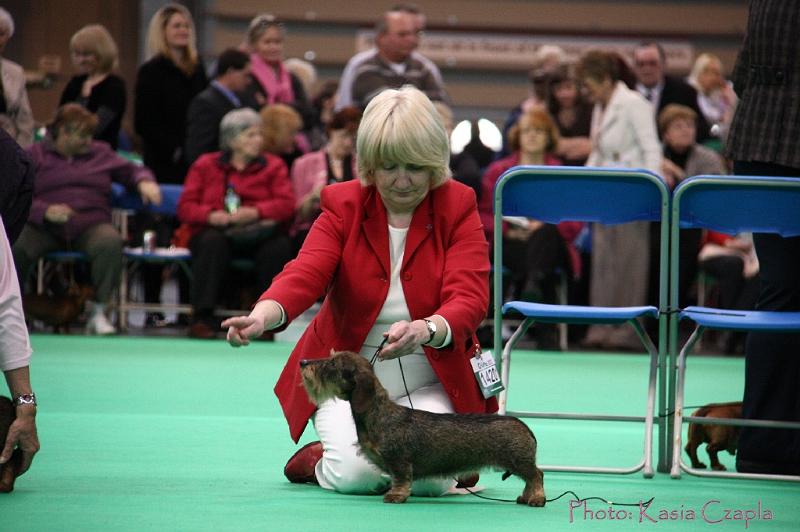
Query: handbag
{"points": [[252, 233]]}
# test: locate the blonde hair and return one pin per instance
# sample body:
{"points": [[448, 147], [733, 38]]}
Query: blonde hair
{"points": [[96, 39], [700, 64], [277, 119], [157, 37], [260, 24], [402, 126]]}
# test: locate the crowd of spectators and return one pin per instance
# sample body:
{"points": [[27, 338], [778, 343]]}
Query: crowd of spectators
{"points": [[298, 136]]}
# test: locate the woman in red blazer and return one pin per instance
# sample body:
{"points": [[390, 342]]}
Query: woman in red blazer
{"points": [[243, 190], [401, 255]]}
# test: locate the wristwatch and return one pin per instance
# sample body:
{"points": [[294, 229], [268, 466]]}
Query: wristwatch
{"points": [[431, 330], [25, 399]]}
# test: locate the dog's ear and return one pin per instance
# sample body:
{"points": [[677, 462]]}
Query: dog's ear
{"points": [[363, 391]]}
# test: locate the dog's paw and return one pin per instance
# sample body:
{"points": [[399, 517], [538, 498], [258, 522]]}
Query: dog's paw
{"points": [[395, 498], [718, 467], [535, 501]]}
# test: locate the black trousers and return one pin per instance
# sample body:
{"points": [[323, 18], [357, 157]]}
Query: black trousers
{"points": [[772, 360], [212, 252], [534, 263]]}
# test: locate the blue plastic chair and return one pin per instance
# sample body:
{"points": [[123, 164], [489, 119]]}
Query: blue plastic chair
{"points": [[610, 196], [134, 256], [729, 205]]}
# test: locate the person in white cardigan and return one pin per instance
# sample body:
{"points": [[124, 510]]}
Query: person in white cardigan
{"points": [[15, 355], [15, 109], [623, 135]]}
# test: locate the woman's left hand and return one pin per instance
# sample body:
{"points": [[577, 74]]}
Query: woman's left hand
{"points": [[404, 338], [150, 192]]}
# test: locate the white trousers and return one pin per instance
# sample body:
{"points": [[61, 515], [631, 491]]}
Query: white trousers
{"points": [[344, 469]]}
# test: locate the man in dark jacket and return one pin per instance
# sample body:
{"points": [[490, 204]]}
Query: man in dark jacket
{"points": [[207, 108], [649, 63]]}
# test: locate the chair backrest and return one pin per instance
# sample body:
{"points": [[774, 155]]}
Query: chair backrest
{"points": [[732, 204], [554, 194], [121, 198]]}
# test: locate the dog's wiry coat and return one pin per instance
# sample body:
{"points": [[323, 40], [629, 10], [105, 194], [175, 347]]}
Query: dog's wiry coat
{"points": [[412, 444]]}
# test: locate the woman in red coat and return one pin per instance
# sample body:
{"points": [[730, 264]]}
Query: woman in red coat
{"points": [[235, 203], [399, 255]]}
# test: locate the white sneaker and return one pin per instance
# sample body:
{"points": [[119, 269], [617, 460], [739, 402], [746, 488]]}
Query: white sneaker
{"points": [[99, 324]]}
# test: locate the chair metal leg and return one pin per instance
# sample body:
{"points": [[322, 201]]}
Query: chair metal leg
{"points": [[651, 398], [563, 299], [506, 361], [39, 276], [675, 472]]}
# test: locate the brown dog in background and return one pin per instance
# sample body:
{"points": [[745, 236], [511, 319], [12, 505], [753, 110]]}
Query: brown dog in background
{"points": [[717, 437], [8, 471], [57, 311], [411, 444]]}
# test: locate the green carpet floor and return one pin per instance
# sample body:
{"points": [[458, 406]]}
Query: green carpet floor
{"points": [[171, 434]]}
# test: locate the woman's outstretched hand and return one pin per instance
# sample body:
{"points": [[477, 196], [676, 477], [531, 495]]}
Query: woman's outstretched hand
{"points": [[242, 328]]}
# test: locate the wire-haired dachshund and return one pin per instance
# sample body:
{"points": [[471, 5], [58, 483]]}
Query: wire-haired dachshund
{"points": [[412, 444]]}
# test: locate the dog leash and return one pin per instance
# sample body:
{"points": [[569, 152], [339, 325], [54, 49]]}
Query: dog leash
{"points": [[402, 373]]}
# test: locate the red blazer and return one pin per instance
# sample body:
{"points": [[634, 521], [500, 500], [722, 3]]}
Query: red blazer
{"points": [[346, 256], [263, 184]]}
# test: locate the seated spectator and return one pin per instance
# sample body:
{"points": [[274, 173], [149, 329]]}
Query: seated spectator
{"points": [[312, 172], [572, 115], [683, 157], [272, 81], [71, 208], [221, 96], [715, 95], [732, 262], [15, 110], [235, 203], [282, 132], [534, 252], [96, 88]]}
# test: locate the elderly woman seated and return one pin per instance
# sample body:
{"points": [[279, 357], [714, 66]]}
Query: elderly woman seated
{"points": [[71, 204], [235, 203]]}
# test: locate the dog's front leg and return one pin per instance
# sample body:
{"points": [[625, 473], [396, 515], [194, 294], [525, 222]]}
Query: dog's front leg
{"points": [[401, 484]]}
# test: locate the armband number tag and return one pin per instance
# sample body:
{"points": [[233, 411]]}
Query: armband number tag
{"points": [[486, 374]]}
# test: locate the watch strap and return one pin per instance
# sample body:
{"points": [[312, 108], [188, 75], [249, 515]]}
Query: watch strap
{"points": [[25, 399], [431, 330]]}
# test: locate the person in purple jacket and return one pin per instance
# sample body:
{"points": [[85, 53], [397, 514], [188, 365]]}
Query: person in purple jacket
{"points": [[71, 204]]}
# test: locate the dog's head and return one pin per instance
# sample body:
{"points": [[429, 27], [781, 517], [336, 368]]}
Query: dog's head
{"points": [[344, 374]]}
